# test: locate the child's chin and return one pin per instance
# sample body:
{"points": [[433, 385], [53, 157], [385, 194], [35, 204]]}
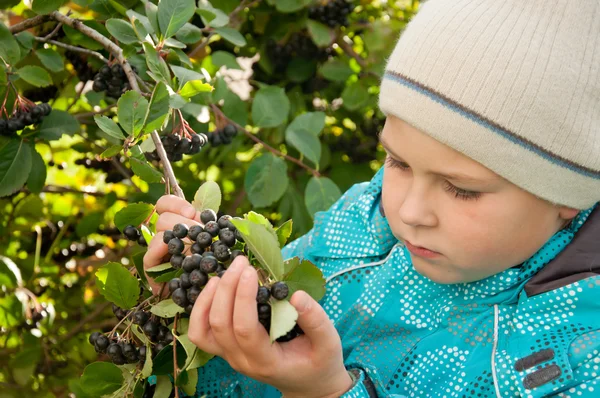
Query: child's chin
{"points": [[436, 273]]}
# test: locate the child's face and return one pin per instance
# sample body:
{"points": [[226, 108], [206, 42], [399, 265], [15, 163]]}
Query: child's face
{"points": [[478, 223]]}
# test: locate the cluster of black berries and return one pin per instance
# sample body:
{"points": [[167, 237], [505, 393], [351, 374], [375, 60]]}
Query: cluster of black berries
{"points": [[279, 291], [176, 147], [222, 136], [121, 351], [299, 45], [135, 235], [82, 68], [113, 80], [41, 94], [24, 118], [112, 174], [334, 13]]}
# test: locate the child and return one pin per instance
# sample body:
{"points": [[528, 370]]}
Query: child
{"points": [[469, 265]]}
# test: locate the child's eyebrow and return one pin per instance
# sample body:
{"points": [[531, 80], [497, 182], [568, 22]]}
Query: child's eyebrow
{"points": [[450, 176]]}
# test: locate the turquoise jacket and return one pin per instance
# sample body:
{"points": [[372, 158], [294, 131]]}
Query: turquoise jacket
{"points": [[530, 331]]}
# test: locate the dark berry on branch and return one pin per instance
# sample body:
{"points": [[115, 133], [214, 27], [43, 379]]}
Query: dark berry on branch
{"points": [[180, 231], [227, 236], [235, 253], [264, 311], [93, 337], [140, 317], [179, 296], [192, 294], [168, 339], [221, 273], [280, 290], [167, 236], [194, 231], [225, 222], [142, 354], [263, 295], [197, 248], [220, 268], [238, 236], [174, 284], [221, 252], [208, 254], [230, 130], [212, 228], [158, 348], [119, 312], [114, 350], [266, 322], [130, 352], [150, 329], [105, 71], [177, 260], [189, 308], [191, 263], [142, 241], [176, 246], [162, 332], [118, 360], [117, 70], [198, 278], [204, 239], [186, 283], [209, 264], [101, 343], [131, 232], [207, 216]]}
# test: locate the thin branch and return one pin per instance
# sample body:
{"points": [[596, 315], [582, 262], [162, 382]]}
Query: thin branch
{"points": [[29, 23], [264, 144], [350, 51], [60, 190], [54, 31], [200, 46], [72, 48], [83, 115]]}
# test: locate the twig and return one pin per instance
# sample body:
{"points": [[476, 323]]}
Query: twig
{"points": [[77, 97], [264, 144], [60, 190], [29, 23], [350, 51], [200, 46], [55, 30], [72, 48], [83, 115]]}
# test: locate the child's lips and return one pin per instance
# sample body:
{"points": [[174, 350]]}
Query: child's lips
{"points": [[420, 251]]}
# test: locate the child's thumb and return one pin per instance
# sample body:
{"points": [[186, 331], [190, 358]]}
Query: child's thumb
{"points": [[313, 319]]}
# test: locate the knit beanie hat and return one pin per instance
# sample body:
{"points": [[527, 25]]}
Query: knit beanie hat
{"points": [[514, 85]]}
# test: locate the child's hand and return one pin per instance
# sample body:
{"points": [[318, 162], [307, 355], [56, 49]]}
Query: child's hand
{"points": [[224, 322], [171, 210]]}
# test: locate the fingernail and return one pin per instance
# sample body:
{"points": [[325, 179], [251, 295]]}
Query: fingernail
{"points": [[189, 212]]}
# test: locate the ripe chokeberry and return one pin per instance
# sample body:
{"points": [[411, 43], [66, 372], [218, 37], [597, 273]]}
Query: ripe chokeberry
{"points": [[93, 337], [101, 343], [131, 232], [196, 248], [176, 246], [191, 263], [194, 231], [180, 230], [179, 296], [264, 311], [192, 294], [140, 317], [177, 260], [174, 284], [150, 329], [198, 278], [227, 236], [167, 236], [204, 239], [280, 290], [207, 216], [263, 295], [185, 280], [212, 228], [209, 264]]}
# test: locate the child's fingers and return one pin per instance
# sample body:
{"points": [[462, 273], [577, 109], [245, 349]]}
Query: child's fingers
{"points": [[166, 221], [249, 333], [177, 205], [199, 331], [154, 256]]}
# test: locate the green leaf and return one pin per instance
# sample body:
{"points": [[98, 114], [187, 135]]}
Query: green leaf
{"points": [[304, 275], [185, 75], [46, 6], [139, 28], [159, 268], [167, 276], [266, 180], [158, 111], [321, 34], [190, 386], [56, 124], [231, 35], [35, 75], [89, 223], [111, 151], [320, 194], [263, 244], [163, 387], [270, 107], [176, 101], [15, 165], [117, 285], [300, 70], [147, 369], [50, 59], [131, 110], [302, 134], [152, 14], [9, 48], [189, 34], [336, 70], [166, 309], [145, 171], [211, 16], [194, 87], [220, 58], [25, 39], [37, 176], [284, 232], [147, 234], [283, 318], [122, 31], [208, 196], [138, 19], [354, 96], [288, 6], [173, 14], [134, 214], [156, 64], [100, 378], [109, 126]]}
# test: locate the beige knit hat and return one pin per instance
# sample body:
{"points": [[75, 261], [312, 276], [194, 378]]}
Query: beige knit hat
{"points": [[513, 84]]}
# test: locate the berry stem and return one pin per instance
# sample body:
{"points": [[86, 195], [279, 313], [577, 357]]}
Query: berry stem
{"points": [[72, 48]]}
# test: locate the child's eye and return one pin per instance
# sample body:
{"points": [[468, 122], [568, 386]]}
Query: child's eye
{"points": [[394, 164], [461, 193]]}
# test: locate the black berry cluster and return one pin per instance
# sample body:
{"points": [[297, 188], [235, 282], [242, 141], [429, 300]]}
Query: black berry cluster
{"points": [[334, 13], [223, 136], [299, 45], [24, 117], [279, 291], [176, 146], [112, 174], [113, 80], [135, 235], [82, 68], [41, 94], [122, 350]]}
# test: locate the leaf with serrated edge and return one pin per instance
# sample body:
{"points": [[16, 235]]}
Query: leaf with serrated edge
{"points": [[163, 387], [117, 285], [147, 369], [260, 219], [263, 244], [304, 275], [283, 318], [166, 309], [190, 387], [159, 268], [284, 232], [208, 196], [134, 214]]}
